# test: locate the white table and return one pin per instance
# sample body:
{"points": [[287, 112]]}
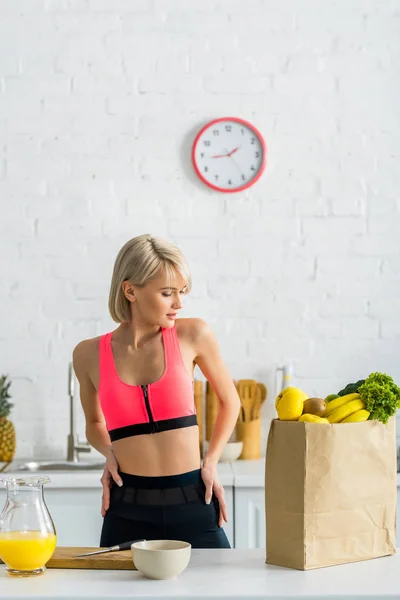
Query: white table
{"points": [[216, 574]]}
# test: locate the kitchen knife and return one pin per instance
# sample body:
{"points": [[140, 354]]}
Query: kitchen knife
{"points": [[123, 546]]}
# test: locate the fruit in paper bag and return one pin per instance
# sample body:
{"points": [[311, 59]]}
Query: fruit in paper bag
{"points": [[289, 404], [286, 391], [338, 402], [341, 413], [314, 406], [308, 418], [357, 417], [331, 397]]}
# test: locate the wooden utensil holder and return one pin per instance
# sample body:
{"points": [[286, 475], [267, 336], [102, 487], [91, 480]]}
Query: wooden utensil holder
{"points": [[250, 434]]}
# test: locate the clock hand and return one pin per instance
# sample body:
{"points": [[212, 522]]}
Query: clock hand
{"points": [[233, 151], [220, 156], [229, 154], [236, 165]]}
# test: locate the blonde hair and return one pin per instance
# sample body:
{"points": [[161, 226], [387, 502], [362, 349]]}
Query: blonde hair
{"points": [[140, 260]]}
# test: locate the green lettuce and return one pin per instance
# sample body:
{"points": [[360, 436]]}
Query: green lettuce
{"points": [[381, 396]]}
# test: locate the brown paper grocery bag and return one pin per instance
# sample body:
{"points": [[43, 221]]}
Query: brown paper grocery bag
{"points": [[330, 493]]}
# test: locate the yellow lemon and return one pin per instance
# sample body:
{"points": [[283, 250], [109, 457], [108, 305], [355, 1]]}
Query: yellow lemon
{"points": [[286, 391], [290, 406]]}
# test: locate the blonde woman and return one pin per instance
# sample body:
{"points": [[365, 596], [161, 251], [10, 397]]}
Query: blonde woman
{"points": [[136, 388]]}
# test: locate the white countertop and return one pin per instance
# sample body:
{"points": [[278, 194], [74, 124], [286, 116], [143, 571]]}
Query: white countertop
{"points": [[216, 574], [241, 473]]}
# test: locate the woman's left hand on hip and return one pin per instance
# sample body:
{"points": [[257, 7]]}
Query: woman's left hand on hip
{"points": [[213, 485]]}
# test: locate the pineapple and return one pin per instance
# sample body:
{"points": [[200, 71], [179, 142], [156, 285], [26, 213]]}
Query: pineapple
{"points": [[7, 431]]}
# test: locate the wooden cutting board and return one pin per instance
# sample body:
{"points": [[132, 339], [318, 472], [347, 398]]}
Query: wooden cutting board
{"points": [[63, 558]]}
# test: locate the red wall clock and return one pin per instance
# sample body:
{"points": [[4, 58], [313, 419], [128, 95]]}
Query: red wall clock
{"points": [[229, 154]]}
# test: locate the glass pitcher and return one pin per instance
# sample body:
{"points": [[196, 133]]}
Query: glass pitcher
{"points": [[27, 532]]}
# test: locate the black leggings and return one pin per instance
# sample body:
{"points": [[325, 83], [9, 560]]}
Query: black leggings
{"points": [[158, 508]]}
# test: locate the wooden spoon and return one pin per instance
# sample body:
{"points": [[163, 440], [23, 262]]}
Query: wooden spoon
{"points": [[261, 394], [263, 390], [255, 413], [247, 393]]}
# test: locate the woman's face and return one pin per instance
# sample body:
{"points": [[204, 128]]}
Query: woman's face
{"points": [[159, 301]]}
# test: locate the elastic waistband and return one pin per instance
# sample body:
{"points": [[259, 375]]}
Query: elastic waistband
{"points": [[163, 482]]}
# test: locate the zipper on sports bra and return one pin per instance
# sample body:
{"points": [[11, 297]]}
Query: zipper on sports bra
{"points": [[146, 399]]}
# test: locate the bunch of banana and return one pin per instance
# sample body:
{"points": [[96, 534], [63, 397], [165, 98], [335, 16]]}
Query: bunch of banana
{"points": [[346, 409]]}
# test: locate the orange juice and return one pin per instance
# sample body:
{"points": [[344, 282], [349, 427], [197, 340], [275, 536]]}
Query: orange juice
{"points": [[26, 550]]}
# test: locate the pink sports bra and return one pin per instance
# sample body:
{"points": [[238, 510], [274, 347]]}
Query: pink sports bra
{"points": [[138, 409]]}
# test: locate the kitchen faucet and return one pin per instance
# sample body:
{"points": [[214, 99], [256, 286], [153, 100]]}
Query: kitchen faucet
{"points": [[74, 446]]}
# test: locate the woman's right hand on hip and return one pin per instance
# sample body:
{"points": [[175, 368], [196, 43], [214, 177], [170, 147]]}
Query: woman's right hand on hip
{"points": [[110, 474]]}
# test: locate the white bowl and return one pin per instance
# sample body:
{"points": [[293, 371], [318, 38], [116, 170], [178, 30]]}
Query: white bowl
{"points": [[231, 452], [161, 559]]}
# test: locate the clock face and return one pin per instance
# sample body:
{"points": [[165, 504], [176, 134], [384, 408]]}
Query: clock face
{"points": [[229, 154]]}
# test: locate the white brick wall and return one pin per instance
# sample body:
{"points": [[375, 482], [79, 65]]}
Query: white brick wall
{"points": [[99, 104]]}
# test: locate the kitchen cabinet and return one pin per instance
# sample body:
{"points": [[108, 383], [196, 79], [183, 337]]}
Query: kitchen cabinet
{"points": [[249, 517], [249, 502], [76, 515]]}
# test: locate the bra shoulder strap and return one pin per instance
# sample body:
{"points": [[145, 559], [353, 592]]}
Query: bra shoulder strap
{"points": [[105, 353], [172, 347]]}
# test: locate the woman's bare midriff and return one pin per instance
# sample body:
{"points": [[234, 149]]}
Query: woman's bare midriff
{"points": [[166, 453], [154, 455]]}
